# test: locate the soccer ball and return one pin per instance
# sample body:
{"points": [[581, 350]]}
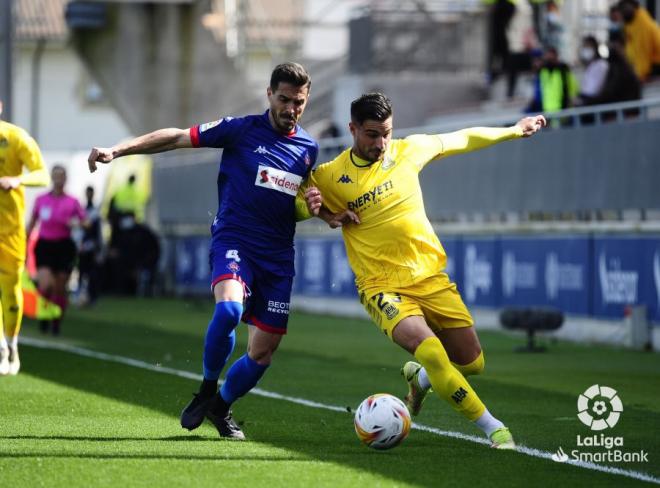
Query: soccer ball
{"points": [[382, 421]]}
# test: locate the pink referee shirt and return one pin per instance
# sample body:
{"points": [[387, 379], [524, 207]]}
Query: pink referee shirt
{"points": [[55, 214]]}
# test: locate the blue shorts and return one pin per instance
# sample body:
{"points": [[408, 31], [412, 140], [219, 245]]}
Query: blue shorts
{"points": [[267, 295]]}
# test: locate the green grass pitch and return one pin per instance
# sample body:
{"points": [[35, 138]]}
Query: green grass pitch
{"points": [[69, 420]]}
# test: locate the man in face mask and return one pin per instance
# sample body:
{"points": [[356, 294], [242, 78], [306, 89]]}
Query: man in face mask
{"points": [[615, 25], [595, 71]]}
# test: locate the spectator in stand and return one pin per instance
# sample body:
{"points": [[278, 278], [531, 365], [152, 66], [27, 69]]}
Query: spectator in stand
{"points": [[524, 45], [553, 27], [615, 27], [557, 83], [621, 84], [595, 72], [129, 201], [499, 17], [127, 208], [89, 257], [642, 38]]}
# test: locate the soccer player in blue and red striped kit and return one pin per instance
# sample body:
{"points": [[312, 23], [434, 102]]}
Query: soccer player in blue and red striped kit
{"points": [[264, 160]]}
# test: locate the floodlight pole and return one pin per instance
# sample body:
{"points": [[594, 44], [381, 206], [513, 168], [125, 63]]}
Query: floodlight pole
{"points": [[6, 57]]}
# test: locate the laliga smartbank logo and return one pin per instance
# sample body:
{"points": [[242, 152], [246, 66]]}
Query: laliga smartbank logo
{"points": [[600, 408]]}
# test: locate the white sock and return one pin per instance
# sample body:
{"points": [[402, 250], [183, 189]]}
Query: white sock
{"points": [[423, 379], [488, 423], [13, 342], [3, 343]]}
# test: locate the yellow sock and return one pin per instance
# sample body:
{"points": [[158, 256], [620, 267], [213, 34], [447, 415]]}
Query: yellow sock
{"points": [[473, 368], [447, 381], [11, 296]]}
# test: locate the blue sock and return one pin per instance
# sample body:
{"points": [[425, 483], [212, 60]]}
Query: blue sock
{"points": [[220, 338], [241, 378]]}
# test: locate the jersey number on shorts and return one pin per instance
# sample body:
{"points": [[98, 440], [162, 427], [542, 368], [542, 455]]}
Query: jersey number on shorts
{"points": [[389, 309]]}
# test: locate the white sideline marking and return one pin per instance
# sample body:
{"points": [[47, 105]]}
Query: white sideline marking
{"points": [[638, 475]]}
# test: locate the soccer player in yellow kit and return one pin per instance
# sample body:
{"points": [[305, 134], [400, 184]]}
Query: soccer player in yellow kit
{"points": [[372, 191], [17, 151]]}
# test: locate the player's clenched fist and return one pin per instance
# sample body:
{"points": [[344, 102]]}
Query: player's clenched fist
{"points": [[99, 155], [531, 125]]}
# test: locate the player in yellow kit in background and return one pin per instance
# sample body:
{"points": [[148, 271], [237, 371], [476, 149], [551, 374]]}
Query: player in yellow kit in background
{"points": [[17, 151], [372, 191]]}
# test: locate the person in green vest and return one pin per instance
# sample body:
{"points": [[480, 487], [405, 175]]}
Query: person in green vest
{"points": [[558, 86], [129, 200], [126, 214]]}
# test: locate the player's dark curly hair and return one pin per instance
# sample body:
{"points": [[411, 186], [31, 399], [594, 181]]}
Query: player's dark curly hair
{"points": [[292, 73], [371, 106]]}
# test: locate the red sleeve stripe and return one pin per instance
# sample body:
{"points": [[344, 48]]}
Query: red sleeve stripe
{"points": [[194, 135]]}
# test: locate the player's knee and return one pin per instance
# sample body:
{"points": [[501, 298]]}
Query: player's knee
{"points": [[473, 368], [262, 356], [225, 319], [432, 355], [229, 312], [262, 347]]}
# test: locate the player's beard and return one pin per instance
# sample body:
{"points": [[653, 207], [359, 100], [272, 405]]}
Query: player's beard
{"points": [[375, 155], [372, 155], [285, 123]]}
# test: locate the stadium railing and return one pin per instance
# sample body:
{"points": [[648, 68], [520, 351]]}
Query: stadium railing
{"points": [[638, 110]]}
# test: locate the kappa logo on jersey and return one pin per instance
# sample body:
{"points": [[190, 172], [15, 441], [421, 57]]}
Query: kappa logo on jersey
{"points": [[261, 150], [344, 179], [279, 180]]}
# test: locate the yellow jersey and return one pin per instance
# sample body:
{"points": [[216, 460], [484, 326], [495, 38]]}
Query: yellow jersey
{"points": [[17, 151], [394, 245]]}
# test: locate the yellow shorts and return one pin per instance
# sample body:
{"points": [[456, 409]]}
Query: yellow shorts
{"points": [[12, 253], [435, 298]]}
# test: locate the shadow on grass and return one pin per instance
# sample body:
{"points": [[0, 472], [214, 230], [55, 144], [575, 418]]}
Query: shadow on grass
{"points": [[187, 438], [313, 433], [147, 457]]}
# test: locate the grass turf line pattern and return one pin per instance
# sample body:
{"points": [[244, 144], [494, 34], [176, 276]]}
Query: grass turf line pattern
{"points": [[34, 342]]}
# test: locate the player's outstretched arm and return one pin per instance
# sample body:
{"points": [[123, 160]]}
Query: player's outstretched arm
{"points": [[475, 138], [155, 142]]}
